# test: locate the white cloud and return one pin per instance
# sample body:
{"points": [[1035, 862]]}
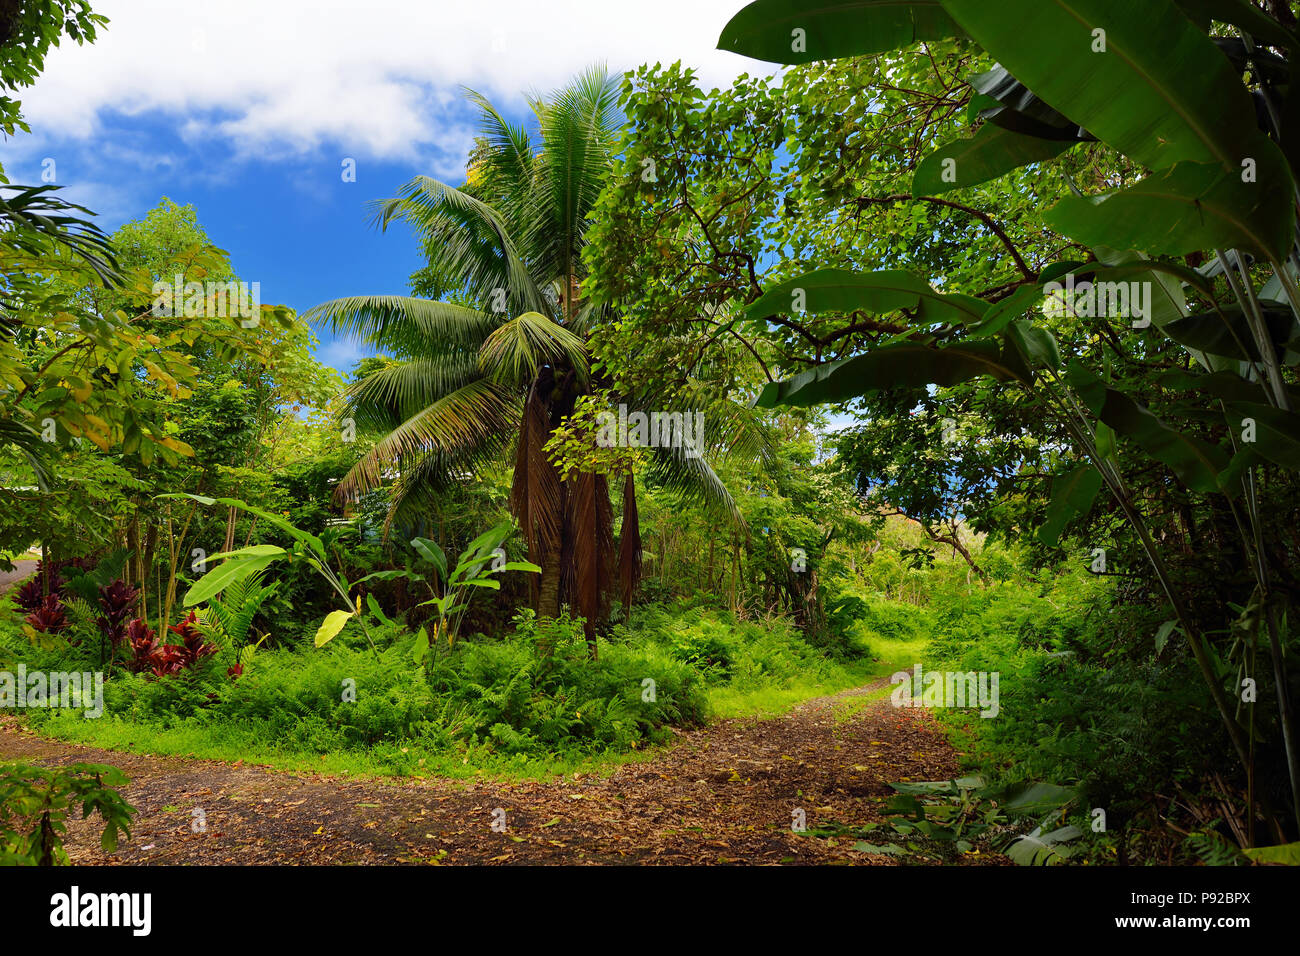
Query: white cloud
{"points": [[375, 80]]}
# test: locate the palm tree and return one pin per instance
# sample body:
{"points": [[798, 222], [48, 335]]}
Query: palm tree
{"points": [[494, 349]]}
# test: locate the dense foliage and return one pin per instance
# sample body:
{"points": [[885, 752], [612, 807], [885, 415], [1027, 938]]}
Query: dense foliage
{"points": [[914, 304]]}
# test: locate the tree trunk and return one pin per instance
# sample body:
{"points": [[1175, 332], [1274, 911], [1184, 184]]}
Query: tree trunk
{"points": [[548, 595]]}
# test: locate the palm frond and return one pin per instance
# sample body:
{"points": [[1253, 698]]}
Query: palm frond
{"points": [[507, 163], [693, 481], [579, 127], [514, 352], [399, 389], [458, 421], [34, 213], [30, 447], [403, 323], [461, 222]]}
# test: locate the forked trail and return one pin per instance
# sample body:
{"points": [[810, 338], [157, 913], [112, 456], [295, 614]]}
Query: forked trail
{"points": [[724, 794]]}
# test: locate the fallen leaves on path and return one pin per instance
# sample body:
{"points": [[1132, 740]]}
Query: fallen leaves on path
{"points": [[726, 794]]}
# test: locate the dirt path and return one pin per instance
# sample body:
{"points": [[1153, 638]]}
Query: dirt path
{"points": [[725, 794]]}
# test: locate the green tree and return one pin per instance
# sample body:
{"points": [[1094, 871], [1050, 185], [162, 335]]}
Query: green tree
{"points": [[1183, 409], [503, 355]]}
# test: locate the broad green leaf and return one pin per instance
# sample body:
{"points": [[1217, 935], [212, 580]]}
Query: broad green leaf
{"points": [[1072, 495], [1190, 207], [420, 650], [297, 534], [1241, 13], [331, 626], [1035, 799], [388, 576], [1197, 463], [990, 153], [489, 540], [1107, 446], [520, 566], [1043, 849], [892, 290], [1229, 334], [431, 552], [1161, 92], [1008, 103], [254, 551], [904, 364], [224, 575], [376, 610], [766, 29], [1287, 854], [1276, 432], [1226, 386], [1162, 635], [1035, 343]]}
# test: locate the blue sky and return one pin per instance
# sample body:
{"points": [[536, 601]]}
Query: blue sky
{"points": [[247, 109]]}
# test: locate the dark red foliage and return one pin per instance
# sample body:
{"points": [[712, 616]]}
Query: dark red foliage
{"points": [[234, 672], [30, 595], [143, 644], [50, 617], [167, 659], [196, 648], [116, 602]]}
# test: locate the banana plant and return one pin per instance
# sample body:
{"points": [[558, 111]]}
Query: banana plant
{"points": [[1198, 92], [242, 563], [450, 589]]}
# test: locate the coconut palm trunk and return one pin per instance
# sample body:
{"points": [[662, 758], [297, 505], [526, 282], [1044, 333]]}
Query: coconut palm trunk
{"points": [[501, 360]]}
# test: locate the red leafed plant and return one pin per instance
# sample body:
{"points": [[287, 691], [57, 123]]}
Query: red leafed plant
{"points": [[143, 643], [116, 602], [30, 595], [196, 647], [50, 616], [167, 659]]}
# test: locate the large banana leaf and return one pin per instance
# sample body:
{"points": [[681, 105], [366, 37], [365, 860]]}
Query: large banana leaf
{"points": [[1229, 334], [990, 153], [1158, 101], [1072, 494], [765, 30], [903, 364], [1240, 13], [1004, 101], [840, 290], [1277, 432], [1191, 206], [1197, 463]]}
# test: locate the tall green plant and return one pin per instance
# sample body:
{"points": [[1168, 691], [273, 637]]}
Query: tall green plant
{"points": [[450, 588], [1173, 87]]}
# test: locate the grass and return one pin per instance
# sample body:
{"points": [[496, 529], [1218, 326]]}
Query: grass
{"points": [[773, 685], [382, 761], [767, 702]]}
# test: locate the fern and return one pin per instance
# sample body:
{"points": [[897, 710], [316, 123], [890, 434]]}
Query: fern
{"points": [[233, 612], [1214, 850]]}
